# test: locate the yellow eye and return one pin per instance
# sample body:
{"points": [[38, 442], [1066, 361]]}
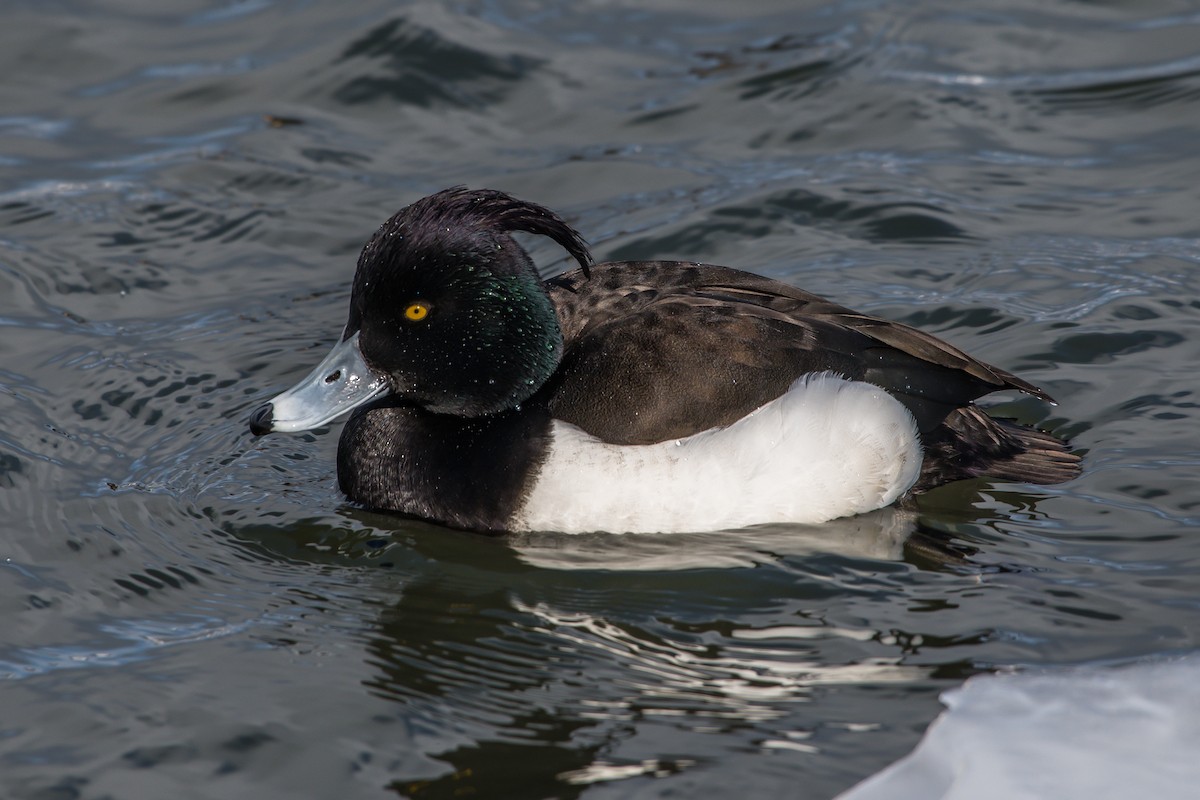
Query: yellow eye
{"points": [[416, 311]]}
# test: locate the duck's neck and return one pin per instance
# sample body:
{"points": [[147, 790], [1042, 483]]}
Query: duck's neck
{"points": [[464, 472]]}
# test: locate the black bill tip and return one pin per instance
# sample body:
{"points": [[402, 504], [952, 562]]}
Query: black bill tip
{"points": [[261, 419]]}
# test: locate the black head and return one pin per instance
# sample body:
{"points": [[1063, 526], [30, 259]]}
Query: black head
{"points": [[450, 308]]}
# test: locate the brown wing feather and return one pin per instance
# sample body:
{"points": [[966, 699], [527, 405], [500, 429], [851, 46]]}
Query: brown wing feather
{"points": [[659, 350], [913, 341]]}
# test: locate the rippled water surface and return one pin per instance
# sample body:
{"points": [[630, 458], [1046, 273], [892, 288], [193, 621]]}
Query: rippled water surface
{"points": [[191, 612]]}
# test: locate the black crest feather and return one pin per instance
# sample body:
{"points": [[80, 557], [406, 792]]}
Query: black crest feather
{"points": [[500, 211]]}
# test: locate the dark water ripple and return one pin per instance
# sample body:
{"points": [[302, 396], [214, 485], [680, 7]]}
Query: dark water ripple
{"points": [[419, 67], [194, 612]]}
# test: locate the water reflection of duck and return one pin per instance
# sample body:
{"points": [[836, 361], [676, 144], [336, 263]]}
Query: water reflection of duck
{"points": [[886, 534], [632, 396]]}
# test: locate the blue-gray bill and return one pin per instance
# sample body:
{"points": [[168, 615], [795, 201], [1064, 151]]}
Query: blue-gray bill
{"points": [[339, 384]]}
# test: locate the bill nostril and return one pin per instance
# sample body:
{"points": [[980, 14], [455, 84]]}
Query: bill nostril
{"points": [[333, 376], [261, 419]]}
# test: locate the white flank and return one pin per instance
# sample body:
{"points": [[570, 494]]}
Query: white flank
{"points": [[827, 448]]}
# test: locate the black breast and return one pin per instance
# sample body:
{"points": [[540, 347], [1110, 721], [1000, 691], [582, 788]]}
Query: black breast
{"points": [[466, 473]]}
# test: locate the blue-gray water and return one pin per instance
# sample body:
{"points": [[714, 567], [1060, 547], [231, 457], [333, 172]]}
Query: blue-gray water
{"points": [[193, 613]]}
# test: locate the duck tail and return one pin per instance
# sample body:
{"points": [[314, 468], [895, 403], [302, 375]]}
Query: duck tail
{"points": [[970, 444], [1044, 458]]}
